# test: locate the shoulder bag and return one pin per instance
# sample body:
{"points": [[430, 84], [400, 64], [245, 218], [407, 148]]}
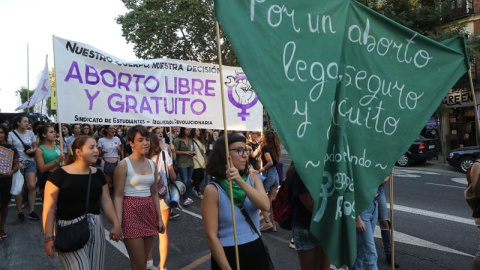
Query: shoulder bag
{"points": [[27, 147], [74, 236], [161, 187]]}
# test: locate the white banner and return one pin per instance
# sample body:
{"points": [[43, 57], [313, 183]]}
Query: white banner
{"points": [[98, 88], [42, 91]]}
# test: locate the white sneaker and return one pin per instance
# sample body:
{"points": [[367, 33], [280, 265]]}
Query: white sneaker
{"points": [[150, 265], [198, 194], [187, 202]]}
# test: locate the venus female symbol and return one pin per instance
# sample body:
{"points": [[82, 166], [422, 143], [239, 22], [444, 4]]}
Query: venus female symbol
{"points": [[241, 94]]}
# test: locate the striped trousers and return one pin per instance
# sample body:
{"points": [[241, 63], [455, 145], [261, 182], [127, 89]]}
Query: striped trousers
{"points": [[92, 255]]}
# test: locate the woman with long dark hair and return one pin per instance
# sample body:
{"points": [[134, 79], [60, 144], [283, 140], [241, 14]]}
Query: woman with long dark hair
{"points": [[185, 153], [136, 198], [47, 156], [248, 193], [111, 150], [160, 155], [65, 197], [271, 152], [199, 160], [24, 141]]}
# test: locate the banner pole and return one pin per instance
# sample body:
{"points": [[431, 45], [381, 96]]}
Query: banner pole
{"points": [[472, 88], [56, 89], [219, 49], [391, 221]]}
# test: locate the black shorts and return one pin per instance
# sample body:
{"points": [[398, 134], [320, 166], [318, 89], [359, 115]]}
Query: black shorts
{"points": [[43, 179], [5, 187], [252, 256]]}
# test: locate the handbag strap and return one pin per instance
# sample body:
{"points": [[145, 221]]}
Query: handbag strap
{"points": [[165, 164], [88, 189], [16, 134], [201, 150]]}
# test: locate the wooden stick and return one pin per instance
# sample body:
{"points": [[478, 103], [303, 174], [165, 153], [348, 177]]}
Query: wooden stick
{"points": [[58, 111], [391, 221], [477, 125], [219, 49]]}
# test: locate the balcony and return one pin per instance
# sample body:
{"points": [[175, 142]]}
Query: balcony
{"points": [[461, 8]]}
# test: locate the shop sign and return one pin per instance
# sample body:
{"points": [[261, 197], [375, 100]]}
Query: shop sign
{"points": [[458, 99]]}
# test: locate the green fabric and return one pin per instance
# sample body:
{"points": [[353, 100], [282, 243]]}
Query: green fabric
{"points": [[183, 161], [238, 192], [347, 89]]}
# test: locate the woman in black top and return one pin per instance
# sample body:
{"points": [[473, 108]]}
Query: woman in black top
{"points": [[66, 191]]}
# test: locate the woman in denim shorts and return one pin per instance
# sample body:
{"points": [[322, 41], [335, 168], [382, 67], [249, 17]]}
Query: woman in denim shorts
{"points": [[310, 252], [20, 137], [270, 149]]}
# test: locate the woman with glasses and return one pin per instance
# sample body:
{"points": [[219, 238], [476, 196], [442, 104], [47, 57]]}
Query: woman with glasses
{"points": [[270, 149], [185, 153], [248, 193]]}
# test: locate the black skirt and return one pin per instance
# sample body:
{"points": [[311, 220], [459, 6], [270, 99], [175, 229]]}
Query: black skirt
{"points": [[252, 256]]}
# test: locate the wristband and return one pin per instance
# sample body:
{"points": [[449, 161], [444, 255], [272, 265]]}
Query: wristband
{"points": [[49, 237], [49, 240]]}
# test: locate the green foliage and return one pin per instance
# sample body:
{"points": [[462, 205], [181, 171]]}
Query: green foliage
{"points": [[24, 95], [176, 29]]}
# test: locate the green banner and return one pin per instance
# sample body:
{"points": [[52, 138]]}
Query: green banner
{"points": [[348, 90]]}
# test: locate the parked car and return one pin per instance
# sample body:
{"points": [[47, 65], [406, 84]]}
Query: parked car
{"points": [[421, 150], [463, 158]]}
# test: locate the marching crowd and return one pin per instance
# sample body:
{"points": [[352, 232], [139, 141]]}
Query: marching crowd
{"points": [[136, 176]]}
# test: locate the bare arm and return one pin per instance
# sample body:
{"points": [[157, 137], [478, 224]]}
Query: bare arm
{"points": [[107, 207], [42, 167], [172, 176], [119, 178], [269, 162], [156, 200], [255, 194], [48, 215], [210, 225], [474, 177]]}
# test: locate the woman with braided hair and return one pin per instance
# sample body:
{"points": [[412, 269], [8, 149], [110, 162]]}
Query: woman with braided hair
{"points": [[270, 149]]}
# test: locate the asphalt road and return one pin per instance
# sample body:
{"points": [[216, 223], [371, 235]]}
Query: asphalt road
{"points": [[433, 230]]}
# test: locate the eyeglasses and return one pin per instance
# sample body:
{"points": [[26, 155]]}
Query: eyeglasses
{"points": [[241, 151]]}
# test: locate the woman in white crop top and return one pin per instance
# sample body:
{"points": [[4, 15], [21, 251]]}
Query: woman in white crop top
{"points": [[136, 198]]}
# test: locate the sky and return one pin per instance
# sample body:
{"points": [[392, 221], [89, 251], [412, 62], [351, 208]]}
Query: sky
{"points": [[34, 22]]}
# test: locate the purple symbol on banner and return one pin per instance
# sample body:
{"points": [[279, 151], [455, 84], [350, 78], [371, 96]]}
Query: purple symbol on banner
{"points": [[241, 94]]}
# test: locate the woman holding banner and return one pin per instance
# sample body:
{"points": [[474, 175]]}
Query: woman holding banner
{"points": [[248, 193], [136, 198], [185, 153]]}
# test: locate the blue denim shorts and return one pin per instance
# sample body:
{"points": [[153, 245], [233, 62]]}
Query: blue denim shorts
{"points": [[303, 239], [30, 166], [271, 179]]}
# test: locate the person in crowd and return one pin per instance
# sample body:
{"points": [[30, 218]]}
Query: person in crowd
{"points": [[270, 145], [465, 141], [48, 156], [136, 198], [160, 155], [6, 181], [87, 130], [210, 142], [366, 251], [110, 148], [121, 135], [100, 132], [161, 134], [185, 153], [25, 142], [248, 192], [127, 149], [472, 197], [65, 196], [199, 160], [309, 250], [76, 132], [66, 135], [384, 222], [254, 159]]}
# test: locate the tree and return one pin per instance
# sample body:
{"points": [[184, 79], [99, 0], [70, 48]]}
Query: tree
{"points": [[24, 95], [176, 29]]}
